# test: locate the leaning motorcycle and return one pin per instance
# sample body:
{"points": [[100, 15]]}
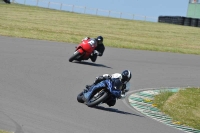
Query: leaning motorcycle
{"points": [[84, 50], [99, 95]]}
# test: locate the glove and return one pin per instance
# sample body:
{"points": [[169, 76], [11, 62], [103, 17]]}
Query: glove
{"points": [[96, 52], [123, 95], [123, 87]]}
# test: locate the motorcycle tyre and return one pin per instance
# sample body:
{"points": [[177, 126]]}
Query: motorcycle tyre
{"points": [[98, 101], [74, 56], [80, 98]]}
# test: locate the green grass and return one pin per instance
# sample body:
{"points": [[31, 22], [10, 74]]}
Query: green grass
{"points": [[159, 100], [2, 131], [45, 24], [183, 106]]}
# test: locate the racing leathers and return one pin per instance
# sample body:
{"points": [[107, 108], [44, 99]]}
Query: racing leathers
{"points": [[119, 93]]}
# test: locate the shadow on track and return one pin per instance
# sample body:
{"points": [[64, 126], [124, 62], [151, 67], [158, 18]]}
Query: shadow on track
{"points": [[92, 64], [115, 111]]}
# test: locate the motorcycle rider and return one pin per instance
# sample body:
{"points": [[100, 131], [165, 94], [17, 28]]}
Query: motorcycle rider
{"points": [[124, 78], [99, 50]]}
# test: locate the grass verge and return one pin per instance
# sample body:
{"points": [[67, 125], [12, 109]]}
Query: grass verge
{"points": [[46, 24], [183, 106], [2, 131]]}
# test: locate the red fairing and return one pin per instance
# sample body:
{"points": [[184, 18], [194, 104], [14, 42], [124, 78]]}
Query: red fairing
{"points": [[80, 50], [86, 47]]}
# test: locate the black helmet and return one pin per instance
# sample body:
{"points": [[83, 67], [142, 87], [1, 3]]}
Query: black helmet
{"points": [[99, 39], [126, 76]]}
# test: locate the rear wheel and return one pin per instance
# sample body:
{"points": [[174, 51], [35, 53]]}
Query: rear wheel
{"points": [[74, 56], [80, 98], [97, 98]]}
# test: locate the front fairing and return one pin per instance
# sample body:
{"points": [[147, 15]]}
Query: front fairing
{"points": [[88, 45]]}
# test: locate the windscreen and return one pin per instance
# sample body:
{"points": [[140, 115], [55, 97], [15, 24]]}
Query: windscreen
{"points": [[92, 42]]}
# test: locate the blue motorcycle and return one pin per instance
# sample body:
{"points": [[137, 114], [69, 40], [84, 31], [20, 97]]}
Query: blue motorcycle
{"points": [[100, 93]]}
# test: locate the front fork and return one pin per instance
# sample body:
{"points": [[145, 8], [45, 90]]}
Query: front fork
{"points": [[99, 93]]}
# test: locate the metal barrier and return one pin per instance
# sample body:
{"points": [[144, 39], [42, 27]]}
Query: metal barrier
{"points": [[85, 10]]}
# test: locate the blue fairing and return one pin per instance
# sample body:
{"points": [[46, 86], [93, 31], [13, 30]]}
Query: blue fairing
{"points": [[109, 84]]}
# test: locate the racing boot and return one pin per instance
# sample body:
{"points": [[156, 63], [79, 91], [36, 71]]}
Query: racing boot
{"points": [[97, 80], [88, 86]]}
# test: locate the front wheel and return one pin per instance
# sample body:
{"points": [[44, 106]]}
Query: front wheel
{"points": [[97, 98], [74, 56]]}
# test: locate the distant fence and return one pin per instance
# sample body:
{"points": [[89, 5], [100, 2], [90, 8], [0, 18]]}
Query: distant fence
{"points": [[84, 10], [179, 20]]}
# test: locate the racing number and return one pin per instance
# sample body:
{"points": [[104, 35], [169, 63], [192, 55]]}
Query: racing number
{"points": [[92, 43]]}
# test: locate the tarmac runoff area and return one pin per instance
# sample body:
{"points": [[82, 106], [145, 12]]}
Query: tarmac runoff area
{"points": [[142, 102], [8, 125]]}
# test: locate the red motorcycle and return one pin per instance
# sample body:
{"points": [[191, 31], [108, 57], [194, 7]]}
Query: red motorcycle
{"points": [[84, 50]]}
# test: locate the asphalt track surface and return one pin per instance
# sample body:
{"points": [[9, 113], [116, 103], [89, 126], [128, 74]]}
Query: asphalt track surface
{"points": [[38, 87]]}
